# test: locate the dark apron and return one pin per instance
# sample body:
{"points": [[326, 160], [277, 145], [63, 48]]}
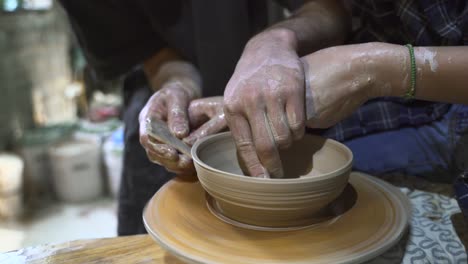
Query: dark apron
{"points": [[140, 178]]}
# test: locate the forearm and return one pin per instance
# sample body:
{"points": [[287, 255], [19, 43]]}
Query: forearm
{"points": [[316, 25], [166, 66], [340, 79], [442, 72], [152, 64]]}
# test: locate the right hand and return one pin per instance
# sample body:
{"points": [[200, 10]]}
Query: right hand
{"points": [[206, 118], [264, 101]]}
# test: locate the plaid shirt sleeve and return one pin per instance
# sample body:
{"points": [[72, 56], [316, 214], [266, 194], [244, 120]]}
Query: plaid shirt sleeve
{"points": [[386, 114], [422, 23]]}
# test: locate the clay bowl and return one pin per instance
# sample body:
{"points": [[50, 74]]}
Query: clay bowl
{"points": [[316, 171]]}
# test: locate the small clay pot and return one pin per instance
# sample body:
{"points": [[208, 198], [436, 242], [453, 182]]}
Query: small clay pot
{"points": [[316, 171]]}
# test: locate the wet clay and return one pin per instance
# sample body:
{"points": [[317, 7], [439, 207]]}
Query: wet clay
{"points": [[375, 222], [335, 209], [312, 155], [297, 160], [317, 169]]}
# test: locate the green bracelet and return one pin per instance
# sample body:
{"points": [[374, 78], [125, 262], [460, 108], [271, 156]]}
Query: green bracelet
{"points": [[411, 90]]}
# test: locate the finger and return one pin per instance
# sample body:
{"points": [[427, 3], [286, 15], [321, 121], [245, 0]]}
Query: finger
{"points": [[197, 113], [240, 130], [169, 165], [159, 112], [175, 163], [265, 145], [177, 104], [215, 125], [161, 159], [156, 107], [183, 166], [143, 130], [295, 113], [185, 163], [164, 151], [153, 157], [279, 124]]}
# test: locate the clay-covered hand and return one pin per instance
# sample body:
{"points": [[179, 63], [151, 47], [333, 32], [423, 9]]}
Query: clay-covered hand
{"points": [[206, 117], [339, 80], [264, 101], [178, 83]]}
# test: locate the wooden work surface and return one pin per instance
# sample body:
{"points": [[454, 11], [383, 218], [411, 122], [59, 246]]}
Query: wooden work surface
{"points": [[130, 249]]}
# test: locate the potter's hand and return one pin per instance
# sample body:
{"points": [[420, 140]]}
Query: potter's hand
{"points": [[340, 79], [264, 101], [206, 118], [177, 84]]}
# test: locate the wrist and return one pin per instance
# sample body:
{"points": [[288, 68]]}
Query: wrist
{"points": [[391, 68], [365, 68], [186, 85], [178, 74], [386, 67], [152, 65], [283, 37]]}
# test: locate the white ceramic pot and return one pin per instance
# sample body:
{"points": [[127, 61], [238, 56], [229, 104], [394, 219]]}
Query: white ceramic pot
{"points": [[113, 151], [11, 181], [76, 171], [11, 173]]}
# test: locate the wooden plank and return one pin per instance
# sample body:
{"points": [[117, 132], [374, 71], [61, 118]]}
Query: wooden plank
{"points": [[130, 249]]}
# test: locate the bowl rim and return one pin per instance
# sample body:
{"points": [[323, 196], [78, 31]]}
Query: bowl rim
{"points": [[228, 175]]}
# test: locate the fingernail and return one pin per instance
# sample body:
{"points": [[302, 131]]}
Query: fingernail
{"points": [[180, 131], [166, 151]]}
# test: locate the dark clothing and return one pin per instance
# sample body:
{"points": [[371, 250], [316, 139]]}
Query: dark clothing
{"points": [[117, 36], [140, 178], [386, 114], [421, 23]]}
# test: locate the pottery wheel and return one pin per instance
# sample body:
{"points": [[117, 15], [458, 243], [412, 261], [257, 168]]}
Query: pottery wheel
{"points": [[178, 218]]}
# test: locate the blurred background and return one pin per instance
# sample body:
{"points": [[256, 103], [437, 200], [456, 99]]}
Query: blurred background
{"points": [[61, 140]]}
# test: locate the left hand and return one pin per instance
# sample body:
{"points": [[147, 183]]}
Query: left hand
{"points": [[206, 117]]}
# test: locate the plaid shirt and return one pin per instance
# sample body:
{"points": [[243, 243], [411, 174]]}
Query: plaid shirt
{"points": [[420, 22]]}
